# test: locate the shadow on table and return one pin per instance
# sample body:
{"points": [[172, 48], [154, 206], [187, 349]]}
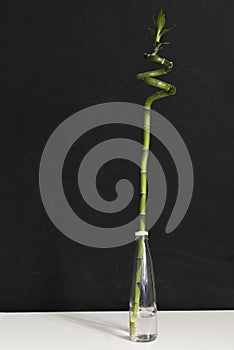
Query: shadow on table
{"points": [[90, 322]]}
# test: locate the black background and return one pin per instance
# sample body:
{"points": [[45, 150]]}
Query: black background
{"points": [[58, 57]]}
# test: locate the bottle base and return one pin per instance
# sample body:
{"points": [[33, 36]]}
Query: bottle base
{"points": [[143, 338]]}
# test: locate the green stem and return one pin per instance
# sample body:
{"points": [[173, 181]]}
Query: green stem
{"points": [[166, 90]]}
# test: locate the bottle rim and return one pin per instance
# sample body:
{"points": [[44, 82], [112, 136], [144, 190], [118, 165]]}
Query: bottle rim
{"points": [[141, 233]]}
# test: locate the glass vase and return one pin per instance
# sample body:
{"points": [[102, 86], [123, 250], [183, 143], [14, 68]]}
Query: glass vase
{"points": [[142, 306]]}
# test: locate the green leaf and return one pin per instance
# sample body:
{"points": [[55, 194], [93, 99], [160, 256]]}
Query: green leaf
{"points": [[151, 31], [154, 20], [161, 20], [166, 30]]}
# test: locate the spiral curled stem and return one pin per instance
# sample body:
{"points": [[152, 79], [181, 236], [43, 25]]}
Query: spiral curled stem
{"points": [[166, 89]]}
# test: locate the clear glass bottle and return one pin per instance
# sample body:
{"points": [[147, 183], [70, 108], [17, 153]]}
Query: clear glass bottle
{"points": [[143, 309]]}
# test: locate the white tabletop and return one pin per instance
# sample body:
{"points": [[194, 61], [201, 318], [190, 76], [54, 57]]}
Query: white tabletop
{"points": [[184, 330]]}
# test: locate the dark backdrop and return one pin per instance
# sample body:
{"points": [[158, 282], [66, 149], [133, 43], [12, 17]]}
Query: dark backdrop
{"points": [[58, 57]]}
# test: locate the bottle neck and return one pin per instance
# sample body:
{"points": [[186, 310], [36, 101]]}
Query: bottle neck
{"points": [[141, 236]]}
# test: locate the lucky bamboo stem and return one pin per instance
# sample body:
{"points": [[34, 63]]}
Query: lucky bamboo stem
{"points": [[167, 89]]}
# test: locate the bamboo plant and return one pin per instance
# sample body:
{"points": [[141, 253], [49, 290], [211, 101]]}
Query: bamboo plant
{"points": [[166, 89]]}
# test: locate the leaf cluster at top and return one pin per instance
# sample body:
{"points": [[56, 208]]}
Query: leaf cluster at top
{"points": [[159, 29]]}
